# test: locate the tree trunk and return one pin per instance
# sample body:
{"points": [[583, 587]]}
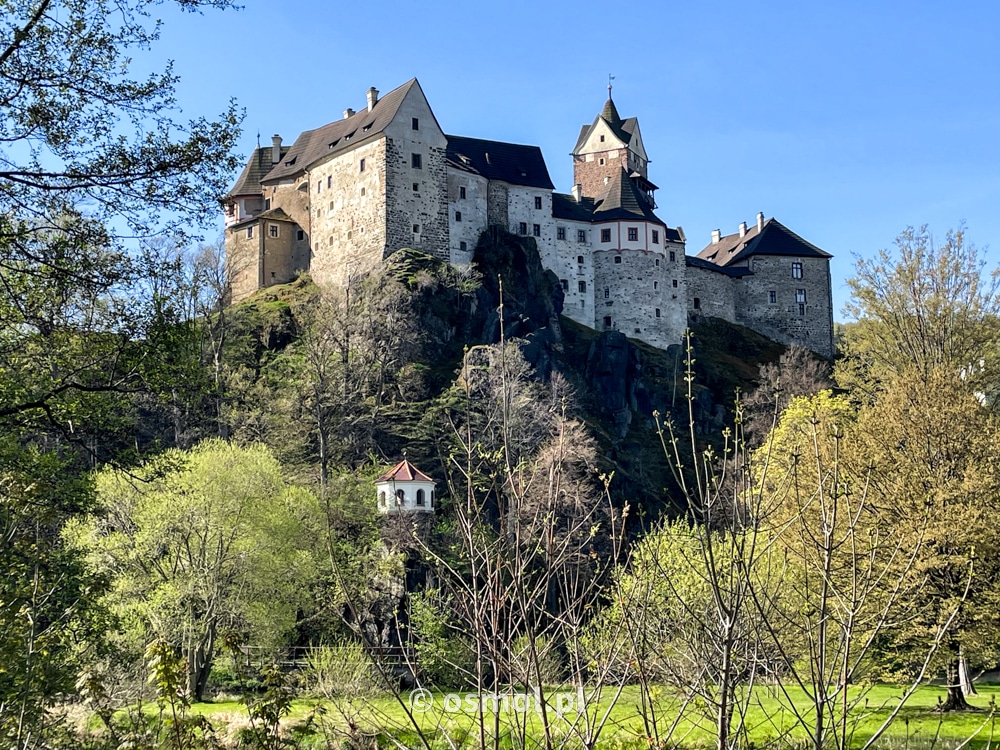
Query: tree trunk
{"points": [[956, 699]]}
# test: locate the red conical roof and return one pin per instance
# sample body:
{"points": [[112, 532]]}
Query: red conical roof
{"points": [[404, 471]]}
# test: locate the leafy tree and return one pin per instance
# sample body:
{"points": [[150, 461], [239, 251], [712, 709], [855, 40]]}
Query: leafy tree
{"points": [[89, 157], [921, 306], [934, 450], [203, 541]]}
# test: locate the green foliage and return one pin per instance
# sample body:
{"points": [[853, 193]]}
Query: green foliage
{"points": [[203, 540], [445, 657]]}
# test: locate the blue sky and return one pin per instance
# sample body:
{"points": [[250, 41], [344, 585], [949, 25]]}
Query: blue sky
{"points": [[847, 121]]}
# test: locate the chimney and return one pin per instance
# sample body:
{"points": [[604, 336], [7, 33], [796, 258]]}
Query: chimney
{"points": [[716, 236], [743, 229], [578, 192], [275, 149], [760, 221], [348, 113], [372, 98]]}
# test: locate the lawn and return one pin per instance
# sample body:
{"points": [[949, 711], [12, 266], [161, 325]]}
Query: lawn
{"points": [[769, 720]]}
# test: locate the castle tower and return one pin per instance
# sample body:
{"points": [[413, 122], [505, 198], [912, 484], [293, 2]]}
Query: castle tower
{"points": [[607, 145], [405, 489]]}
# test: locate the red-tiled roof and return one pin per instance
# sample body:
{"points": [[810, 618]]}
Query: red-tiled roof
{"points": [[404, 471]]}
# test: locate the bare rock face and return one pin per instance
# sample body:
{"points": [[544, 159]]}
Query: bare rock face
{"points": [[614, 368]]}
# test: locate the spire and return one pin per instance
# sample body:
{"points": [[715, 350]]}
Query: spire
{"points": [[610, 112]]}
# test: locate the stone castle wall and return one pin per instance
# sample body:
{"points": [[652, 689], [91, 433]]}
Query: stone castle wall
{"points": [[714, 291], [630, 296], [466, 215], [783, 320], [347, 210]]}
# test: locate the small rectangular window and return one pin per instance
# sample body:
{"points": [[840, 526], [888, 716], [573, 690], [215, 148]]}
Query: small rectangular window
{"points": [[463, 246], [582, 285], [329, 179], [538, 202], [522, 228], [536, 230], [300, 235], [673, 283], [267, 204], [272, 230], [605, 235], [796, 270], [458, 216], [802, 309], [656, 236], [361, 165], [633, 234], [249, 233], [618, 259], [697, 303], [602, 139], [800, 295], [362, 192], [607, 293], [601, 161], [772, 297], [581, 235], [607, 321], [416, 187], [656, 285], [657, 312], [673, 256], [560, 233], [319, 186], [565, 284], [415, 123], [416, 161], [461, 192], [657, 262], [579, 259], [416, 229]]}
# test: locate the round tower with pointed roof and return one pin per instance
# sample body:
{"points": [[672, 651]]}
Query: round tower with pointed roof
{"points": [[405, 489]]}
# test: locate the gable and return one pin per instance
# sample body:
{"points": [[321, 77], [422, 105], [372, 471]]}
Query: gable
{"points": [[414, 104], [631, 125], [591, 143]]}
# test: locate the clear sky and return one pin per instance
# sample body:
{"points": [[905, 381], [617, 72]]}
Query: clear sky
{"points": [[847, 121]]}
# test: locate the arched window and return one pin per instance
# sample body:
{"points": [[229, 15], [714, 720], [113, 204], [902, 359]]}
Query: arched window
{"points": [[420, 498], [400, 499], [381, 499]]}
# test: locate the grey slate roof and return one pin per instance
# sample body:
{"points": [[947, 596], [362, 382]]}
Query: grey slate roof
{"points": [[565, 207], [623, 200], [512, 163], [259, 164], [734, 271], [773, 239], [339, 136]]}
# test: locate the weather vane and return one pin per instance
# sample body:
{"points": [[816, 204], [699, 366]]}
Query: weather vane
{"points": [[610, 79]]}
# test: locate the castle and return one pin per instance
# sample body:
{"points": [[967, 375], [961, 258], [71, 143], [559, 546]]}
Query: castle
{"points": [[345, 195]]}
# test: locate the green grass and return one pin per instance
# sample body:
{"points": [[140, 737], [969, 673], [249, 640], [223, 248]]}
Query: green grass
{"points": [[769, 720]]}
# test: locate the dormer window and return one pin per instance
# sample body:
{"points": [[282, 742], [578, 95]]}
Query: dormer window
{"points": [[366, 128]]}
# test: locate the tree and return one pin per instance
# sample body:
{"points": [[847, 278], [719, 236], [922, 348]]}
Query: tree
{"points": [[203, 541], [921, 306], [933, 449], [89, 157]]}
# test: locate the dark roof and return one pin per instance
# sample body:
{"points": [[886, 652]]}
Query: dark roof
{"points": [[275, 214], [623, 200], [734, 271], [259, 164], [773, 239], [495, 160], [565, 207], [610, 111], [341, 135], [404, 471]]}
